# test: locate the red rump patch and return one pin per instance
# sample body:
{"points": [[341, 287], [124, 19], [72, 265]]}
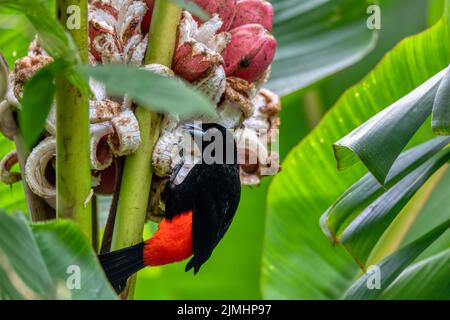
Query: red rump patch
{"points": [[172, 242]]}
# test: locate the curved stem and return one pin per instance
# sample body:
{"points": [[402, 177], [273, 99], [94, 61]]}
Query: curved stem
{"points": [[73, 179], [137, 174], [38, 209]]}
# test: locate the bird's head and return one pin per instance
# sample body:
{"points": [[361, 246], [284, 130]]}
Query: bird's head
{"points": [[215, 142]]}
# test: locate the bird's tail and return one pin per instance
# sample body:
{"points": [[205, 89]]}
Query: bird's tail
{"points": [[121, 264]]}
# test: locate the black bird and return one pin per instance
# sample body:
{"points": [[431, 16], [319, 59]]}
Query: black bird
{"points": [[199, 209]]}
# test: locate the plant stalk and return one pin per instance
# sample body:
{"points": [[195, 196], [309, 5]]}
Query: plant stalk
{"points": [[38, 209], [73, 178], [137, 174]]}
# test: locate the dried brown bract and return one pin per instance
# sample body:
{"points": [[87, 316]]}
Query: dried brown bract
{"points": [[6, 175], [27, 67]]}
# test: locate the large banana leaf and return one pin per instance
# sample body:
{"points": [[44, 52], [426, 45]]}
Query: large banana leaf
{"points": [[441, 108], [367, 189], [297, 262], [427, 279], [435, 210], [363, 233], [317, 38], [373, 142], [43, 262]]}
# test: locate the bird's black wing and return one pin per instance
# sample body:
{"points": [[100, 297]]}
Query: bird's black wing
{"points": [[232, 192], [180, 198], [215, 204]]}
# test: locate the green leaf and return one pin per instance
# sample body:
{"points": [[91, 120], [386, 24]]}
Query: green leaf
{"points": [[433, 213], [392, 266], [363, 233], [7, 290], [367, 189], [298, 261], [36, 103], [426, 280], [38, 262], [441, 108], [159, 93], [380, 140], [435, 9], [316, 39], [11, 197], [16, 34], [20, 251], [63, 246], [52, 36]]}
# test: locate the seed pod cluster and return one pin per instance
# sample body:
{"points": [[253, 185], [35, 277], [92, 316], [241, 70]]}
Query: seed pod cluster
{"points": [[115, 31], [228, 58]]}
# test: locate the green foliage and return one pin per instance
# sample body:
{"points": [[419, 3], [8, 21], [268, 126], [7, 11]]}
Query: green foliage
{"points": [[149, 89], [16, 34], [392, 266], [296, 262], [441, 108], [378, 142], [36, 103], [433, 213], [373, 142], [52, 35], [36, 262], [435, 9], [316, 39], [11, 197], [364, 232], [426, 280], [368, 189]]}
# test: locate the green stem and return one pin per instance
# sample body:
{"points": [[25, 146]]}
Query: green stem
{"points": [[137, 174], [73, 179]]}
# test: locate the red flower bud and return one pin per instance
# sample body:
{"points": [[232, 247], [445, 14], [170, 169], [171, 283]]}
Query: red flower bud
{"points": [[226, 9], [198, 49], [191, 62], [253, 11], [250, 52]]}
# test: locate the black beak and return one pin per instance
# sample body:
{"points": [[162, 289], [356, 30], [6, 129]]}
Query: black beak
{"points": [[194, 130]]}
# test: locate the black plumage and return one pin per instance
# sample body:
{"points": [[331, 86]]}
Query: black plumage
{"points": [[211, 190]]}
